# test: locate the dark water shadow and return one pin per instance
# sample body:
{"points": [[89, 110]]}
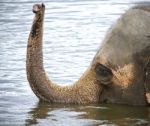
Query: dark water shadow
{"points": [[40, 111]]}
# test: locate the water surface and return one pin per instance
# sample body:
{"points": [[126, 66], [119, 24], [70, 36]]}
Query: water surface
{"points": [[74, 30]]}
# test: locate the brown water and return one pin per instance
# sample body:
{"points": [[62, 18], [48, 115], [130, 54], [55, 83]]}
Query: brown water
{"points": [[74, 30]]}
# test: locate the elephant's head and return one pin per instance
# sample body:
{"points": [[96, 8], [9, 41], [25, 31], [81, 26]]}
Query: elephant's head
{"points": [[119, 72]]}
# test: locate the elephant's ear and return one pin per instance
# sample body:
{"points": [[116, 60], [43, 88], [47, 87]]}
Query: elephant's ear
{"points": [[147, 81]]}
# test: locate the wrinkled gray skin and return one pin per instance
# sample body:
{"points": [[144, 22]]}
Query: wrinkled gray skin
{"points": [[119, 72], [126, 52]]}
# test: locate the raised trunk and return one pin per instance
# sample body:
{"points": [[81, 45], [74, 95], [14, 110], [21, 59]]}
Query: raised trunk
{"points": [[85, 90]]}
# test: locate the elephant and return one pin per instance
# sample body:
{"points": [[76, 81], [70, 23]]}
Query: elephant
{"points": [[119, 72]]}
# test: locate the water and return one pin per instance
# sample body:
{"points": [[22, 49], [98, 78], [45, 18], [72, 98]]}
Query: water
{"points": [[74, 30]]}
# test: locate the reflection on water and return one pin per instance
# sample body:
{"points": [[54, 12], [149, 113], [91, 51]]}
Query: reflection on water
{"points": [[73, 32], [92, 115]]}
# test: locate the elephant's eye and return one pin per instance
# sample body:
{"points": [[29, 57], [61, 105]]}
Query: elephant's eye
{"points": [[102, 70], [103, 74]]}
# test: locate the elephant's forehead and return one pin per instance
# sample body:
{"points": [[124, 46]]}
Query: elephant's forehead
{"points": [[130, 36]]}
